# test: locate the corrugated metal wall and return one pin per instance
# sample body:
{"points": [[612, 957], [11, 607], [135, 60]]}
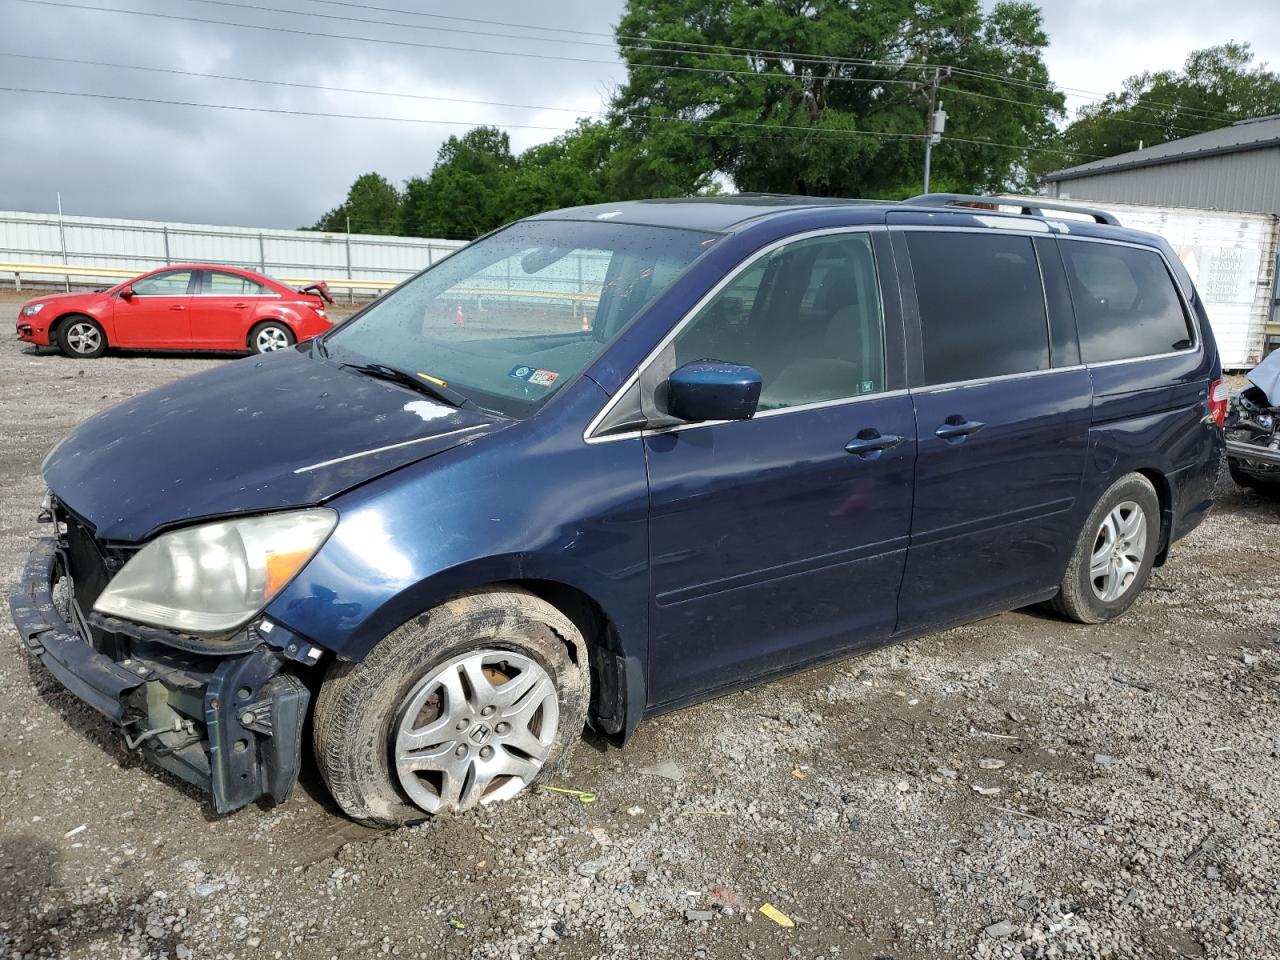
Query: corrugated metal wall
{"points": [[1248, 182], [146, 244]]}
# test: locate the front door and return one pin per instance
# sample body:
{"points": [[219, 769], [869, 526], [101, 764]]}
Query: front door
{"points": [[1003, 411], [782, 539], [159, 312]]}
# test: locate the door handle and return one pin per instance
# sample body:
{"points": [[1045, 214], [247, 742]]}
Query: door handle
{"points": [[241, 306], [957, 428], [177, 306], [870, 443]]}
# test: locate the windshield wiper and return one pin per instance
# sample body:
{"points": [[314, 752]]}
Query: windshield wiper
{"points": [[431, 388]]}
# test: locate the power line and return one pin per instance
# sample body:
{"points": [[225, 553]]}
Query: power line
{"points": [[274, 110], [768, 54], [439, 46], [774, 55], [281, 111], [293, 84]]}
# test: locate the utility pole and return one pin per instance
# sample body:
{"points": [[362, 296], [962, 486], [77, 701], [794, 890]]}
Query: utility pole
{"points": [[937, 118], [62, 239]]}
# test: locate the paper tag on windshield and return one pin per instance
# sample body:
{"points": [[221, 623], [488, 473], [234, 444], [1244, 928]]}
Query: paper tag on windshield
{"points": [[543, 378], [521, 373]]}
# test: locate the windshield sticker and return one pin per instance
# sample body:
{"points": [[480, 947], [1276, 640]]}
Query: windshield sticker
{"points": [[520, 373], [543, 378]]}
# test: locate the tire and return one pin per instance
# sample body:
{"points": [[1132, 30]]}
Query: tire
{"points": [[269, 336], [81, 338], [419, 679], [1086, 598], [1270, 489]]}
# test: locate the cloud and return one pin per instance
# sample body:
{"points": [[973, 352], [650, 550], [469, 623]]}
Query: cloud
{"points": [[153, 161]]}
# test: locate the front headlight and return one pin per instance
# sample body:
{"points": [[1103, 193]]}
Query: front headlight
{"points": [[215, 577], [31, 309]]}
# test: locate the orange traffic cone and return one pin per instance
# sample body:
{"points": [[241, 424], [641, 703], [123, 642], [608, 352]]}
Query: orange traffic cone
{"points": [[458, 319]]}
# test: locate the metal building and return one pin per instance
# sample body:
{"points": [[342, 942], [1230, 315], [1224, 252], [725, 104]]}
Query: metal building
{"points": [[1235, 168]]}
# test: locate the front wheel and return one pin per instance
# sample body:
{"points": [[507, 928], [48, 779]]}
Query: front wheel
{"points": [[270, 336], [1263, 486], [1112, 559], [81, 338], [468, 704]]}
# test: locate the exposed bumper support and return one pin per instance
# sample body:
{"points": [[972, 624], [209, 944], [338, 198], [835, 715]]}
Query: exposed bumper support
{"points": [[1252, 452], [231, 725]]}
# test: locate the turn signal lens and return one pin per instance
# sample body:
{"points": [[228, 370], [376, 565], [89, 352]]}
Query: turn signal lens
{"points": [[280, 568]]}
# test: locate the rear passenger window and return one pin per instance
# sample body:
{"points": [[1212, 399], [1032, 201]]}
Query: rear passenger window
{"points": [[1125, 300], [220, 284], [981, 303], [807, 317]]}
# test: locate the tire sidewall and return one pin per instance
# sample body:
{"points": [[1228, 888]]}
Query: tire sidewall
{"points": [[265, 324], [419, 647], [1138, 489], [65, 347]]}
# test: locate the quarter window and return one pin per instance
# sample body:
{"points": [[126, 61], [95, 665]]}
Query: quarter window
{"points": [[808, 317], [1125, 300], [175, 283], [981, 304]]}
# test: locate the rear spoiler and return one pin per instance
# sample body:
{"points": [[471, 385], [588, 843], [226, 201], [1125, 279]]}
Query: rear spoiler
{"points": [[320, 289]]}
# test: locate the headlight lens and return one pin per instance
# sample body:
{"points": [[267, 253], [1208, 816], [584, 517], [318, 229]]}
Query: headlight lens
{"points": [[31, 309], [217, 576]]}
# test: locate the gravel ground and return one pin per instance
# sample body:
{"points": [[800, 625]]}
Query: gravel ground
{"points": [[1021, 787]]}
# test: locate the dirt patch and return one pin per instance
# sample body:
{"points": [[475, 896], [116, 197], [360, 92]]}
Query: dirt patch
{"points": [[1021, 787]]}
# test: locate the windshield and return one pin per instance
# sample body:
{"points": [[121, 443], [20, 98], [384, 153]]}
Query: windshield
{"points": [[508, 320]]}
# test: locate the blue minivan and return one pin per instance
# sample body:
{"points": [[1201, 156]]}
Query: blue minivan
{"points": [[611, 460]]}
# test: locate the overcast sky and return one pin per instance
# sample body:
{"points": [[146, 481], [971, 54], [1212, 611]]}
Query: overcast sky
{"points": [[152, 161]]}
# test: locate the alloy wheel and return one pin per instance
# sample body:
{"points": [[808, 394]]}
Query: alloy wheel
{"points": [[476, 729], [1118, 551], [271, 338], [83, 337]]}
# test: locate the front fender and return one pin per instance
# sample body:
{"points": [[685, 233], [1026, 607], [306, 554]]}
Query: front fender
{"points": [[532, 502]]}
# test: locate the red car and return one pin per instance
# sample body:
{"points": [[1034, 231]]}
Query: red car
{"points": [[188, 307]]}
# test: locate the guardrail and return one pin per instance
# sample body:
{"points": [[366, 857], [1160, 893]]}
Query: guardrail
{"points": [[76, 270], [380, 286]]}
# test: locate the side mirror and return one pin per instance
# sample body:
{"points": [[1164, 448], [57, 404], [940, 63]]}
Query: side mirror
{"points": [[126, 291], [713, 390]]}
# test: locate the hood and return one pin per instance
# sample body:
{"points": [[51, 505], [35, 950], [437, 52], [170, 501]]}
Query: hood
{"points": [[66, 297], [1266, 377], [264, 433]]}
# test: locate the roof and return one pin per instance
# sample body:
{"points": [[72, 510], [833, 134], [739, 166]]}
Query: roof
{"points": [[702, 213], [1255, 134]]}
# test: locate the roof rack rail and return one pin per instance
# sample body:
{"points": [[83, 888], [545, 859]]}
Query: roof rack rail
{"points": [[1028, 209]]}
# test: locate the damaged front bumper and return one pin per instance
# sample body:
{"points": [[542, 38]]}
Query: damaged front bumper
{"points": [[226, 717]]}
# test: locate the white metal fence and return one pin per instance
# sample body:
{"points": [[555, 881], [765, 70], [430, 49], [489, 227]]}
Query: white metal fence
{"points": [[141, 245]]}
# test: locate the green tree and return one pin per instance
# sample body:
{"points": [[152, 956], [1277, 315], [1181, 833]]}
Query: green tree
{"points": [[1215, 86], [571, 170], [462, 196], [372, 206], [847, 118]]}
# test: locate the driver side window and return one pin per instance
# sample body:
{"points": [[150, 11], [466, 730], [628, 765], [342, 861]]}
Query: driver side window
{"points": [[175, 283], [807, 316]]}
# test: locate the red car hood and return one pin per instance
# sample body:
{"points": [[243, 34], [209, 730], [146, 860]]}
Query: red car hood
{"points": [[67, 299]]}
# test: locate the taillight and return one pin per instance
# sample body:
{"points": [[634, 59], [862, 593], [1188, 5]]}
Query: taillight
{"points": [[1219, 397]]}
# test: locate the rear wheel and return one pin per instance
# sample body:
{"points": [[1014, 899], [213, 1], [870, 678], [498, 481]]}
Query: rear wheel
{"points": [[270, 336], [470, 703], [1114, 554], [81, 338]]}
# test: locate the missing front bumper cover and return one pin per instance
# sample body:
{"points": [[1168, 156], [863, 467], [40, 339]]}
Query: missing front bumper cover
{"points": [[229, 723]]}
